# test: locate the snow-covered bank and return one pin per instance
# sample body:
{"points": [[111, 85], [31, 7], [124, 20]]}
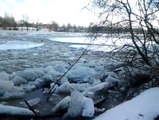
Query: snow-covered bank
{"points": [[143, 107]]}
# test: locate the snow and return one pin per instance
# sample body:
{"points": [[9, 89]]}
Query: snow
{"points": [[13, 45], [143, 107]]}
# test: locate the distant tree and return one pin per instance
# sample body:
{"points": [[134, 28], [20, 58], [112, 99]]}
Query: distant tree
{"points": [[8, 21], [54, 26], [25, 21]]}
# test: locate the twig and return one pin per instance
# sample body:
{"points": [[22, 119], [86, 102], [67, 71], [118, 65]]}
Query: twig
{"points": [[30, 108]]}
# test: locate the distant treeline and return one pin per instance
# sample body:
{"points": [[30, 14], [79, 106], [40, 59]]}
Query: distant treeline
{"points": [[8, 23], [115, 29]]}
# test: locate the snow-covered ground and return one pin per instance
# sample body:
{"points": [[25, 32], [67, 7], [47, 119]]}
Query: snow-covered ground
{"points": [[143, 107]]}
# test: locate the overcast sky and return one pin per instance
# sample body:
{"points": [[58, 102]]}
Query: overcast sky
{"points": [[61, 11]]}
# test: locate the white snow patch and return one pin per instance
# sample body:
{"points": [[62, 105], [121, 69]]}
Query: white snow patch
{"points": [[143, 107]]}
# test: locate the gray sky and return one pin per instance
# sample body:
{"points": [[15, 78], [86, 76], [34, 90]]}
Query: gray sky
{"points": [[61, 11]]}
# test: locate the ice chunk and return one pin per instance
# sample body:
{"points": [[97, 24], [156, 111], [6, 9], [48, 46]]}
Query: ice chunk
{"points": [[80, 87], [63, 80], [112, 74], [88, 107], [79, 73], [89, 79], [30, 88], [38, 71], [98, 87], [10, 110], [52, 75], [60, 68], [62, 105], [65, 88], [111, 79], [80, 106], [13, 95], [17, 80], [4, 76], [6, 85], [28, 75], [75, 107], [31, 74]]}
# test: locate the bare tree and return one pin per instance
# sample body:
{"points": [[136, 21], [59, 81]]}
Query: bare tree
{"points": [[143, 14], [26, 21]]}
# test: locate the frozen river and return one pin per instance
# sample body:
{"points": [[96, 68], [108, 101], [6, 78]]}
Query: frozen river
{"points": [[20, 50]]}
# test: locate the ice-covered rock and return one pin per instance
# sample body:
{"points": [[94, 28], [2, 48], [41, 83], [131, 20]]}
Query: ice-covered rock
{"points": [[4, 76], [17, 80], [6, 85], [79, 73], [32, 102]]}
